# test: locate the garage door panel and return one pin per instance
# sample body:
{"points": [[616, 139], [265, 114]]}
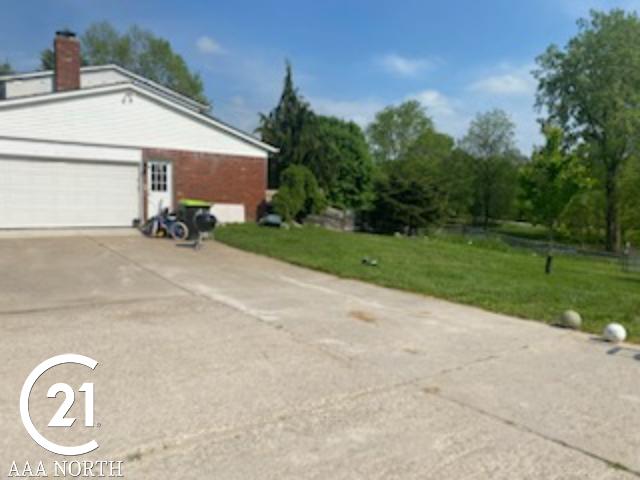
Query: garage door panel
{"points": [[43, 193]]}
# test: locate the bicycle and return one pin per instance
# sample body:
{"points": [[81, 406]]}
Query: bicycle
{"points": [[166, 224]]}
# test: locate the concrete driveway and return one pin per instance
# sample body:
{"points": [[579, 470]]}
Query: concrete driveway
{"points": [[221, 364]]}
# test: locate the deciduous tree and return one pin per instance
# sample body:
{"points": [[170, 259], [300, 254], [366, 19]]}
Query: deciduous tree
{"points": [[437, 160], [551, 179], [630, 200], [592, 89], [395, 129], [139, 51], [342, 164], [490, 140], [549, 182]]}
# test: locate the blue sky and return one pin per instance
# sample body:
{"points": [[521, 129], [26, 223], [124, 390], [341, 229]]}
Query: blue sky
{"points": [[350, 57]]}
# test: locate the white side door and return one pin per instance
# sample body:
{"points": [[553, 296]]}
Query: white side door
{"points": [[159, 186]]}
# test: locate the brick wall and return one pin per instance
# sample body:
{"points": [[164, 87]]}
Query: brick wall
{"points": [[217, 178], [67, 63]]}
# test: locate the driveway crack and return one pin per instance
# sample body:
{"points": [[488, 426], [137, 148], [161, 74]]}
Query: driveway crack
{"points": [[141, 266], [526, 429]]}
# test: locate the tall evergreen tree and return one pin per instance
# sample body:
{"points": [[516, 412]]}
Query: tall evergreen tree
{"points": [[289, 127], [407, 198]]}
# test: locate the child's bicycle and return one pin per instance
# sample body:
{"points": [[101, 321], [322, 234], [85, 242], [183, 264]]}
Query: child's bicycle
{"points": [[166, 224]]}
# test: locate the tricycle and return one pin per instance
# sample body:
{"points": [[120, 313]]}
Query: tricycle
{"points": [[166, 224]]}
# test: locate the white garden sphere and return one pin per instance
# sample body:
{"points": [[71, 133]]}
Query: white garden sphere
{"points": [[614, 332], [571, 319]]}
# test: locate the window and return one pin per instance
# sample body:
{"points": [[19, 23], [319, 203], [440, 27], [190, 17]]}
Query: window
{"points": [[158, 177]]}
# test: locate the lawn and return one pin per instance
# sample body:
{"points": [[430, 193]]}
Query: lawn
{"points": [[486, 274], [540, 233]]}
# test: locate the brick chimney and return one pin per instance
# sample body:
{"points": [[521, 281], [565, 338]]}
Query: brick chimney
{"points": [[67, 61]]}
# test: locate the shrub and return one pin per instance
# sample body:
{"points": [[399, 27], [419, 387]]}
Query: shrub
{"points": [[298, 195]]}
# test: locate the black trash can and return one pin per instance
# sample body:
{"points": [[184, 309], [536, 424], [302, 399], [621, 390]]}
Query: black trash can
{"points": [[195, 214]]}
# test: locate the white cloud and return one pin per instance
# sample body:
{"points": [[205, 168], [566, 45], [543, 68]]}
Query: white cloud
{"points": [[359, 111], [403, 66], [450, 115], [244, 85], [446, 112], [507, 81], [253, 82], [435, 102], [511, 88], [209, 46]]}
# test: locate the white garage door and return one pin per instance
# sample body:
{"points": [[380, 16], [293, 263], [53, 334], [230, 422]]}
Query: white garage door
{"points": [[51, 193]]}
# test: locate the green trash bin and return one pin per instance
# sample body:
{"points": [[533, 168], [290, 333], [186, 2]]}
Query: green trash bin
{"points": [[187, 211]]}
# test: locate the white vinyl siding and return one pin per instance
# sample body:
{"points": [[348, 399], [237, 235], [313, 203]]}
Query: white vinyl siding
{"points": [[38, 83], [36, 193], [120, 117], [25, 87], [98, 78], [68, 151]]}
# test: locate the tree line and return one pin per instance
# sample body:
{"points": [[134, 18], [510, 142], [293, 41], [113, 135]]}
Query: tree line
{"points": [[403, 175]]}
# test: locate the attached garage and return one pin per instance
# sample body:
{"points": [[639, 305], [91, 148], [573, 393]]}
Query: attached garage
{"points": [[101, 147], [62, 189], [58, 193]]}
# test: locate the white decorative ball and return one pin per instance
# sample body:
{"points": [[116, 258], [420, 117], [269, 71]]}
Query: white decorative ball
{"points": [[614, 332], [571, 319]]}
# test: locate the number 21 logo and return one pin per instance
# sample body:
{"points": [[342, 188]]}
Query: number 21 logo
{"points": [[60, 419]]}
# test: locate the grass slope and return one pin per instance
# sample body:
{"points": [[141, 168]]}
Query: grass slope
{"points": [[486, 274]]}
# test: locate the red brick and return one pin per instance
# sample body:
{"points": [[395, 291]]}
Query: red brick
{"points": [[217, 178], [67, 63]]}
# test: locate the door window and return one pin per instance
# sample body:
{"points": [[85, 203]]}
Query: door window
{"points": [[158, 177]]}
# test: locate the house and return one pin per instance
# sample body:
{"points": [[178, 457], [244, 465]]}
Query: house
{"points": [[102, 147]]}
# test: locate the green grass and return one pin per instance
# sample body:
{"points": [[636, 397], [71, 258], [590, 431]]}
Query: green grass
{"points": [[540, 233], [487, 274], [523, 230]]}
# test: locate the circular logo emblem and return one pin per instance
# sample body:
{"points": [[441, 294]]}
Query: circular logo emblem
{"points": [[59, 419]]}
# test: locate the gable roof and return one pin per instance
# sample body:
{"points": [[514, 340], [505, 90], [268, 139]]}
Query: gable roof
{"points": [[145, 91], [133, 78]]}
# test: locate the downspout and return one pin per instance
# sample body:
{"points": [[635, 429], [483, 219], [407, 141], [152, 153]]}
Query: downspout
{"points": [[141, 189]]}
